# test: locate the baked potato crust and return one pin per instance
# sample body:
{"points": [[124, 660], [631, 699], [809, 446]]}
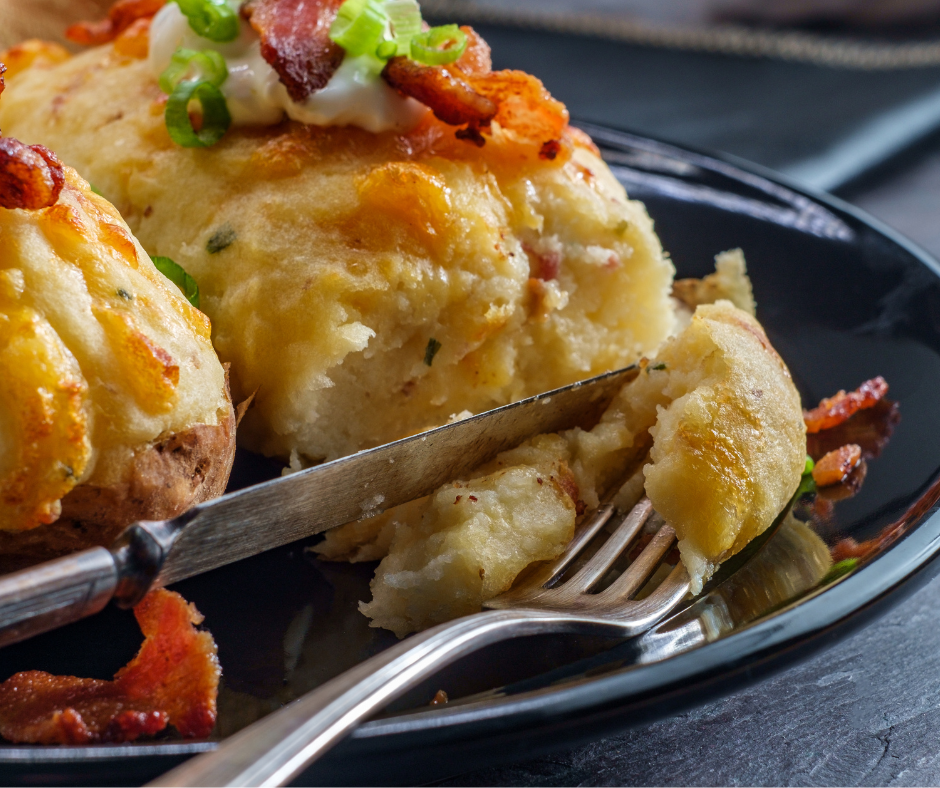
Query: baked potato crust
{"points": [[162, 480]]}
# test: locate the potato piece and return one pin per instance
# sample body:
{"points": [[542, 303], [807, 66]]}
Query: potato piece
{"points": [[728, 450], [113, 405], [329, 258], [472, 540]]}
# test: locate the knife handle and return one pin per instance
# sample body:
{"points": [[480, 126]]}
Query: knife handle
{"points": [[57, 592]]}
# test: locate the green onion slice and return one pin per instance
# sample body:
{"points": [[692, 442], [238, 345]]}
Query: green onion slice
{"points": [[386, 50], [359, 26], [439, 45], [207, 65], [808, 467], [212, 19], [405, 19], [215, 115], [175, 273]]}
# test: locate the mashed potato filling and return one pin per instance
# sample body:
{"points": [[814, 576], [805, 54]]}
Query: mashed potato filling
{"points": [[366, 286], [728, 449]]}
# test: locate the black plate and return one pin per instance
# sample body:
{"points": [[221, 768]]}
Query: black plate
{"points": [[842, 298]]}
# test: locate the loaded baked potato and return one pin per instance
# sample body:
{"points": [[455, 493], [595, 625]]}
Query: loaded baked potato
{"points": [[367, 285], [113, 404]]}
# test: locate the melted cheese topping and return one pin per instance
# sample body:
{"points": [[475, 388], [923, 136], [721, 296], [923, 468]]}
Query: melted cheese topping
{"points": [[355, 96]]}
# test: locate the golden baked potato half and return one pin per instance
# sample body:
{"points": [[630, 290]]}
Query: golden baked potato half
{"points": [[113, 404]]}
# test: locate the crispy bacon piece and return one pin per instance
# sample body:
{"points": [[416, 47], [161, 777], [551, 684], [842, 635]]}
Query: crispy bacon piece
{"points": [[173, 680], [295, 41], [121, 16], [449, 95], [835, 410], [837, 465], [30, 175], [469, 93]]}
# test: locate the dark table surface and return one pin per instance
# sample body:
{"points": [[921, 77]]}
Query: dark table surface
{"points": [[864, 712]]}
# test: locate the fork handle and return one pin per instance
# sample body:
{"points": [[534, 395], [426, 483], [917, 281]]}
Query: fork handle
{"points": [[277, 748]]}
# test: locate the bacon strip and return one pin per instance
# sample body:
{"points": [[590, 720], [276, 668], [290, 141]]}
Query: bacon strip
{"points": [[173, 680], [121, 16], [451, 98], [295, 41], [30, 175], [470, 93], [835, 410]]}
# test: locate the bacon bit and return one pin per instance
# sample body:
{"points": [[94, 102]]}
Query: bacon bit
{"points": [[457, 499], [473, 498], [30, 175], [135, 41], [476, 59], [550, 150], [295, 41], [471, 134], [547, 266], [871, 429], [173, 680], [835, 410], [837, 465], [449, 95], [440, 698], [121, 16]]}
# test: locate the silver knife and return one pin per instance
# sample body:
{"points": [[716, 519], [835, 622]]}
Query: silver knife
{"points": [[149, 554]]}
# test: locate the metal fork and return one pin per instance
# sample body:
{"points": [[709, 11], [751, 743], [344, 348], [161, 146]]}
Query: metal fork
{"points": [[277, 748]]}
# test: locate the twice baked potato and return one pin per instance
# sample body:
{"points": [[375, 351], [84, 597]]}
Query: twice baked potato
{"points": [[113, 404], [718, 418], [365, 285]]}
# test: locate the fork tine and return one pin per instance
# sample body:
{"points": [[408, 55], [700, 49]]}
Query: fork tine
{"points": [[639, 570], [602, 560], [585, 533]]}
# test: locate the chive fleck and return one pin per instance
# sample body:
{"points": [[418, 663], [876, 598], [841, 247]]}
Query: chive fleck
{"points": [[658, 367], [175, 273], [221, 239], [124, 294], [431, 351], [95, 189]]}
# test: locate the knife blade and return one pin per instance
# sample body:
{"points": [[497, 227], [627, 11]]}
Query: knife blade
{"points": [[249, 521]]}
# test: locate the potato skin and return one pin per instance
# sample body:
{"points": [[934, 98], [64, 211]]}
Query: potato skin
{"points": [[163, 480]]}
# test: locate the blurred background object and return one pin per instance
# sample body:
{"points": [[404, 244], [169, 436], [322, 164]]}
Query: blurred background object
{"points": [[47, 19]]}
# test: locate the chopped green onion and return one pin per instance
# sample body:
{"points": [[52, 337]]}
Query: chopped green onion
{"points": [[405, 19], [431, 351], [839, 570], [658, 367], [175, 273], [208, 65], [95, 190], [439, 45], [215, 115], [212, 19], [359, 26], [808, 468], [386, 50]]}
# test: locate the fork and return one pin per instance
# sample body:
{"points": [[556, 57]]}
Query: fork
{"points": [[277, 748]]}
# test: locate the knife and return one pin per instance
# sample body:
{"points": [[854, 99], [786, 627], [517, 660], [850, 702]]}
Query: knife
{"points": [[150, 554]]}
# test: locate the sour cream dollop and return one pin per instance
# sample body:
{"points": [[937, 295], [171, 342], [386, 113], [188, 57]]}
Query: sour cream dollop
{"points": [[354, 96]]}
